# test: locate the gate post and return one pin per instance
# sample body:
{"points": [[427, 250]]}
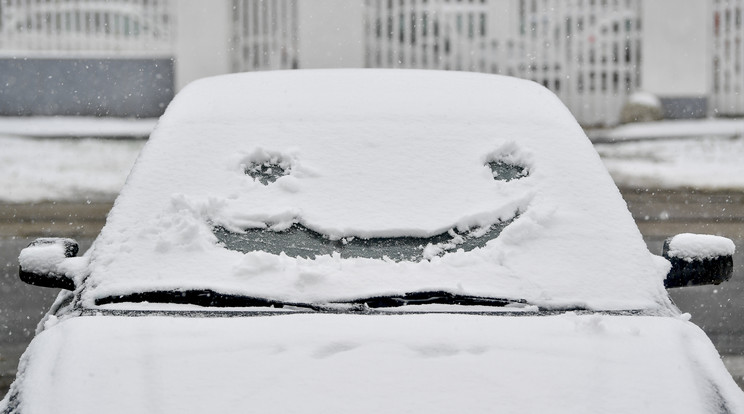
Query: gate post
{"points": [[202, 39], [676, 55], [331, 33]]}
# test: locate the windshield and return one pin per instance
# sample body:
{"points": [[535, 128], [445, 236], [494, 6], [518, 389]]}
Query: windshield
{"points": [[410, 181]]}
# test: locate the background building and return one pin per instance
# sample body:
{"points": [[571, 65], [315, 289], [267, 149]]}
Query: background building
{"points": [[592, 53]]}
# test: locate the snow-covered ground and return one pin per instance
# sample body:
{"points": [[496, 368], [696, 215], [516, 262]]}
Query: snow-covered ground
{"points": [[65, 159], [670, 129], [704, 154], [702, 162], [63, 169], [76, 127]]}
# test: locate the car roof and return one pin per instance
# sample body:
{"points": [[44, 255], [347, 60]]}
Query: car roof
{"points": [[379, 154]]}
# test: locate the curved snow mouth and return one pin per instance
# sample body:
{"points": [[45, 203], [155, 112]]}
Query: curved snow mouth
{"points": [[299, 241]]}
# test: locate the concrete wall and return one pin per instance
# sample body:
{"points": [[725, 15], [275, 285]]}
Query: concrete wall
{"points": [[684, 107], [331, 33], [87, 87], [202, 39], [503, 19], [675, 48]]}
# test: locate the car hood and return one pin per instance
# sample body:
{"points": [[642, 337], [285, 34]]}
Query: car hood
{"points": [[433, 363]]}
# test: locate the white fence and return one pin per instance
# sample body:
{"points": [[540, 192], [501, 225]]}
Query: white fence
{"points": [[264, 35], [586, 51], [433, 34], [727, 58], [106, 28]]}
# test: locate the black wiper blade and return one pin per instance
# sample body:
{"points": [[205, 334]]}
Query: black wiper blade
{"points": [[432, 297], [200, 297], [210, 299]]}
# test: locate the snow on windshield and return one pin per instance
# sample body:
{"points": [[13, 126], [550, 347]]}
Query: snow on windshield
{"points": [[374, 154]]}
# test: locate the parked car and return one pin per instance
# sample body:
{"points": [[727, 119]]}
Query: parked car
{"points": [[370, 241]]}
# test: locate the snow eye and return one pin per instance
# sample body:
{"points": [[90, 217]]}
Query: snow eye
{"points": [[266, 172], [506, 171]]}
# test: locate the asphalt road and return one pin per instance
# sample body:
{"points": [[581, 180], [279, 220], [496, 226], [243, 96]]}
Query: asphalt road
{"points": [[718, 310]]}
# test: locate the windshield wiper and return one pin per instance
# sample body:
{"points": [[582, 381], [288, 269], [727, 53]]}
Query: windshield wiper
{"points": [[211, 299], [432, 298], [200, 297]]}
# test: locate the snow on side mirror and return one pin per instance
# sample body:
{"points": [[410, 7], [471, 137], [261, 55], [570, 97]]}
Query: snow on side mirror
{"points": [[698, 259], [40, 262]]}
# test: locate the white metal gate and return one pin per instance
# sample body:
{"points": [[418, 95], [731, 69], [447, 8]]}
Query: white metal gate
{"points": [[264, 35], [86, 27], [427, 34], [587, 51], [727, 58]]}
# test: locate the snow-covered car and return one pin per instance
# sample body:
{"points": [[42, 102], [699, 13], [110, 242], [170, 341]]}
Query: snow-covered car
{"points": [[370, 241]]}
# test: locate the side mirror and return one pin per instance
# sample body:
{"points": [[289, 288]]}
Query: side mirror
{"points": [[40, 262], [698, 259]]}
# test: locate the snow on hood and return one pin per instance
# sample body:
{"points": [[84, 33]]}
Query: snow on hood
{"points": [[375, 154], [431, 363]]}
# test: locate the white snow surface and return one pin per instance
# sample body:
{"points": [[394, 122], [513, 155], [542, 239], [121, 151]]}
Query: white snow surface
{"points": [[375, 153], [645, 98], [330, 363], [700, 246]]}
